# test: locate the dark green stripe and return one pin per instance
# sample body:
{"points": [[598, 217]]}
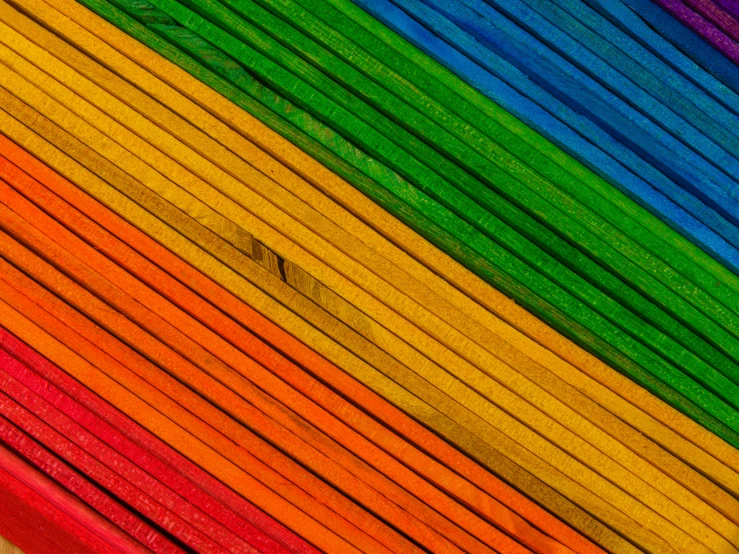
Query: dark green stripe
{"points": [[307, 86]]}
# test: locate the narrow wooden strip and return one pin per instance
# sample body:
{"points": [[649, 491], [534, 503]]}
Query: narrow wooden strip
{"points": [[65, 475], [17, 426], [159, 165], [706, 29], [688, 41], [440, 233], [611, 159], [659, 43], [95, 431], [306, 453], [460, 25], [730, 8], [219, 416], [357, 28], [633, 278], [260, 19], [651, 95], [399, 279], [716, 15], [38, 515], [654, 64], [501, 168]]}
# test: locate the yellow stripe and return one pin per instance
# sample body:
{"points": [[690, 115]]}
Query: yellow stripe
{"points": [[314, 338]]}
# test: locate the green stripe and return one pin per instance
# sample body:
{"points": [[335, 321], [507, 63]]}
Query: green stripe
{"points": [[307, 86], [432, 89], [411, 84], [408, 155]]}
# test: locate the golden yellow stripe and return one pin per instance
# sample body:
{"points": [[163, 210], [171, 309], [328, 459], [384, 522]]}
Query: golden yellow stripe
{"points": [[7, 547], [298, 326], [159, 163], [358, 204]]}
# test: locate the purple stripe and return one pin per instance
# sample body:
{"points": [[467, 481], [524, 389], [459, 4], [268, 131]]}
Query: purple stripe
{"points": [[704, 28]]}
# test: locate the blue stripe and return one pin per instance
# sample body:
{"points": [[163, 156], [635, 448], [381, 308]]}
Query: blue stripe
{"points": [[569, 129]]}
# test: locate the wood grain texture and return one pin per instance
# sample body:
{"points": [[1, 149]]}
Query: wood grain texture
{"points": [[532, 103], [38, 514], [106, 468], [630, 174], [585, 93], [267, 225], [265, 459], [20, 420], [228, 473], [356, 364], [241, 312], [235, 259], [716, 15], [291, 156], [496, 137], [151, 454], [723, 41], [367, 450], [7, 547], [311, 285], [729, 7], [346, 465], [683, 406]]}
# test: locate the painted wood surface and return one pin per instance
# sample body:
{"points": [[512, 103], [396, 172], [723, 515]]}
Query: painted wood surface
{"points": [[487, 247], [442, 275]]}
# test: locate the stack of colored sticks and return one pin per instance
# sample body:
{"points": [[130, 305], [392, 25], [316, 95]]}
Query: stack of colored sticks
{"points": [[383, 276]]}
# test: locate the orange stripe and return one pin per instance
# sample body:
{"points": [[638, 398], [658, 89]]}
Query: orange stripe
{"points": [[202, 419], [319, 366], [316, 451], [264, 379]]}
